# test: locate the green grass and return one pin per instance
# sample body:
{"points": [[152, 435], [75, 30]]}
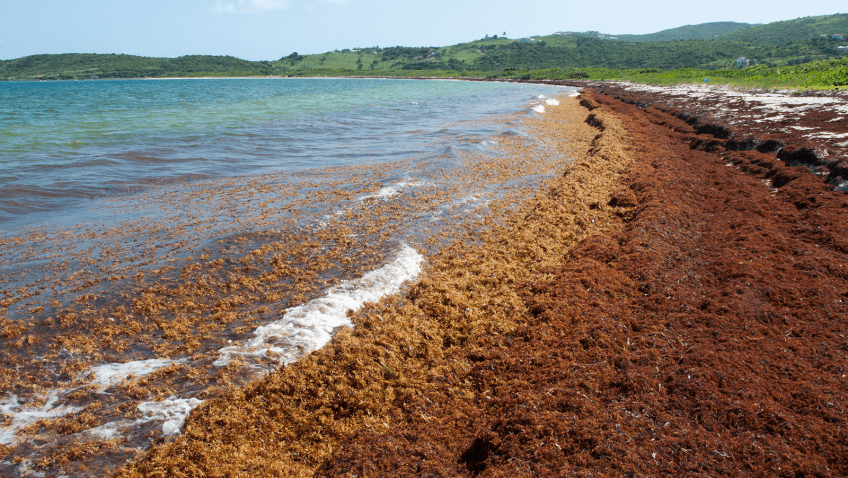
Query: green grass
{"points": [[818, 75]]}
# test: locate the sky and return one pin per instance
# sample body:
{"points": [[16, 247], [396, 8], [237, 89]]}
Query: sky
{"points": [[271, 29]]}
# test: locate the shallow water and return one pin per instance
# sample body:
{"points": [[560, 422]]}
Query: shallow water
{"points": [[202, 232], [64, 142]]}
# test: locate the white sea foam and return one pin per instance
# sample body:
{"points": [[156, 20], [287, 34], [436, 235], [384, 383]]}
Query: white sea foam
{"points": [[104, 376], [830, 135], [552, 102], [110, 430], [110, 374], [384, 192], [539, 108], [25, 469], [22, 415], [393, 190], [173, 411], [309, 326]]}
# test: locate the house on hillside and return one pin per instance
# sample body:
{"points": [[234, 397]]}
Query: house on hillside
{"points": [[837, 36], [742, 62], [526, 40], [823, 37], [842, 49]]}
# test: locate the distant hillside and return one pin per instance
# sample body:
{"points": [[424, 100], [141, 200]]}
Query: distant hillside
{"points": [[789, 31], [84, 65], [703, 31]]}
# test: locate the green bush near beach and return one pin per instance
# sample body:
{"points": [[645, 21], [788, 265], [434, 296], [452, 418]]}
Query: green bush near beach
{"points": [[819, 75]]}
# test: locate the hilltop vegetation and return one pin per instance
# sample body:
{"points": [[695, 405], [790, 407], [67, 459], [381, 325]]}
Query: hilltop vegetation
{"points": [[791, 31], [589, 52], [84, 65], [703, 31]]}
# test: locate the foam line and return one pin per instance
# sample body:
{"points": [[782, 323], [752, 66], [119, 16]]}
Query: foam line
{"points": [[309, 326], [111, 374], [393, 190], [173, 412], [22, 416]]}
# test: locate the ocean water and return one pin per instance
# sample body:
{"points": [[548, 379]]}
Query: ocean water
{"points": [[63, 143], [161, 240]]}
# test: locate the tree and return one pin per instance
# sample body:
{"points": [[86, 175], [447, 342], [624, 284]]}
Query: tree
{"points": [[294, 57]]}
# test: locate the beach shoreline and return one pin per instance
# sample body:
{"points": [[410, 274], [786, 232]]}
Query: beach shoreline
{"points": [[153, 304], [673, 304]]}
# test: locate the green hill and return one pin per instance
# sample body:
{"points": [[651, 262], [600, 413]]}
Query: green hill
{"points": [[590, 52], [777, 44], [703, 31], [790, 31], [84, 65]]}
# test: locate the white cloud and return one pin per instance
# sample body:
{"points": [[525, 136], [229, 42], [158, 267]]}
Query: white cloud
{"points": [[251, 6], [258, 6], [222, 7]]}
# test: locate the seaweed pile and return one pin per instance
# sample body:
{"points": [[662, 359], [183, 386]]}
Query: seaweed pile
{"points": [[404, 355]]}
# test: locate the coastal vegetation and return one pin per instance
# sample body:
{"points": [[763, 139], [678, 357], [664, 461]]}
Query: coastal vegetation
{"points": [[819, 75], [782, 54]]}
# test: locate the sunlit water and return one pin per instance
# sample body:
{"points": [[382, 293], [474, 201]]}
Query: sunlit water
{"points": [[62, 143]]}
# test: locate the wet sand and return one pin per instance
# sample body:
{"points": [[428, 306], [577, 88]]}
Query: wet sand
{"points": [[673, 304]]}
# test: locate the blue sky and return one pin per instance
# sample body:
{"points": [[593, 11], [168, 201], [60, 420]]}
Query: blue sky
{"points": [[270, 29]]}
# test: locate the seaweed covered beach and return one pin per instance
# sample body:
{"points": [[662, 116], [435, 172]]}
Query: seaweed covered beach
{"points": [[672, 304]]}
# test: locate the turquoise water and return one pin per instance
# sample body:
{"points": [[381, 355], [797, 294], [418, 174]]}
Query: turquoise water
{"points": [[62, 143]]}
